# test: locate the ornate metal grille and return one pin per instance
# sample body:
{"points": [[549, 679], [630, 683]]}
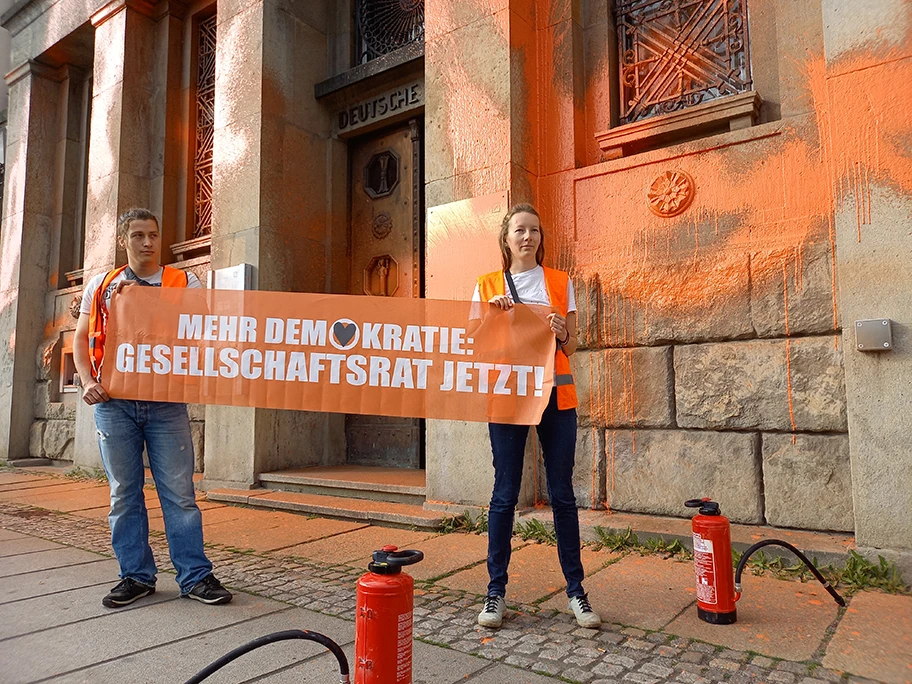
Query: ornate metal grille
{"points": [[205, 118], [678, 53], [385, 25]]}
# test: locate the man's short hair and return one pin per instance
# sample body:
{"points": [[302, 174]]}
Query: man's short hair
{"points": [[134, 214]]}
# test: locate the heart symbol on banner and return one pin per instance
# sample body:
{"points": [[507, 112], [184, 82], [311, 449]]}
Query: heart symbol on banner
{"points": [[344, 332]]}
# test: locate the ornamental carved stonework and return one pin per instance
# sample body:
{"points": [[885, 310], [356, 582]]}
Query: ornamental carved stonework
{"points": [[74, 306], [670, 194], [382, 226]]}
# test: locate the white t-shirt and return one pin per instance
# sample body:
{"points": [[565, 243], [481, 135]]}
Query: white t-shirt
{"points": [[531, 288], [88, 294]]}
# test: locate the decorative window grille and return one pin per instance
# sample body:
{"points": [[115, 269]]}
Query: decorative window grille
{"points": [[205, 120], [679, 53], [382, 26]]}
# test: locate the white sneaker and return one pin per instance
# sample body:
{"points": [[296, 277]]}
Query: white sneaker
{"points": [[491, 614], [585, 616]]}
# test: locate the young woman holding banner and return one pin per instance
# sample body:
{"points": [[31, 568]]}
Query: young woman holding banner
{"points": [[525, 280]]}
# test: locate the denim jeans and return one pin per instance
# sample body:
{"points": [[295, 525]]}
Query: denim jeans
{"points": [[124, 427], [557, 435]]}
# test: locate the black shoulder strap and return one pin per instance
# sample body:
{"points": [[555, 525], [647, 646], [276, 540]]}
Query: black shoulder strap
{"points": [[513, 292]]}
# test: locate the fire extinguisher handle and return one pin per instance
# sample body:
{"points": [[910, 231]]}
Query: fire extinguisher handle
{"points": [[693, 503], [398, 558]]}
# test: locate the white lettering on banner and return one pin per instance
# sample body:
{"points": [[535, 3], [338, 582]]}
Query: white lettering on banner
{"points": [[400, 372], [213, 328], [125, 358]]}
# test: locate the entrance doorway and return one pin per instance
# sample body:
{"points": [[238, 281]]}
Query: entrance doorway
{"points": [[387, 258]]}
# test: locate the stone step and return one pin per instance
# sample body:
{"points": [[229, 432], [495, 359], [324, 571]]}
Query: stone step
{"points": [[395, 485], [345, 508]]}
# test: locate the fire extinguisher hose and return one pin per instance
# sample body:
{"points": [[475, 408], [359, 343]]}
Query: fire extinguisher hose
{"points": [[804, 559], [272, 638]]}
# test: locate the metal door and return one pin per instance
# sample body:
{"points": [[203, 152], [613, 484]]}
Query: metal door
{"points": [[386, 258]]}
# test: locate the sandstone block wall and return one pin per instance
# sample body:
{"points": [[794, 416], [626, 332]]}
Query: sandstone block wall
{"points": [[758, 425]]}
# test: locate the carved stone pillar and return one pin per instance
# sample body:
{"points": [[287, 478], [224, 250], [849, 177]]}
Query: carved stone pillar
{"points": [[120, 152], [25, 239], [269, 205], [867, 75], [528, 83]]}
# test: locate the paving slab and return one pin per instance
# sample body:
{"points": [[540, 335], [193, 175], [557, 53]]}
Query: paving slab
{"points": [[14, 478], [638, 591], [44, 560], [153, 508], [202, 503], [775, 617], [36, 495], [355, 546], [210, 516], [120, 633], [874, 638], [41, 582], [264, 531], [430, 665], [6, 535], [534, 573], [63, 608], [32, 484], [447, 553], [97, 513], [72, 500], [16, 547], [177, 662], [501, 674]]}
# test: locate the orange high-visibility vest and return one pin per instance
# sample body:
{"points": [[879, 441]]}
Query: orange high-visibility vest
{"points": [[98, 316], [492, 285]]}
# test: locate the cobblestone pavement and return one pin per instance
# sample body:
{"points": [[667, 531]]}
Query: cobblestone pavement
{"points": [[542, 641]]}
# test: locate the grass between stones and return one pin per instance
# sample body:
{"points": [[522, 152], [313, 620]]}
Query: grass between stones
{"points": [[81, 474], [856, 574]]}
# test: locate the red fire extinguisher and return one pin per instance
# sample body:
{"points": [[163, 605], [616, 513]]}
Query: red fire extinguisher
{"points": [[713, 564], [383, 619], [718, 586]]}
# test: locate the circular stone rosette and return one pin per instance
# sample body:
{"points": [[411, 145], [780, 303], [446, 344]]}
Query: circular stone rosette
{"points": [[382, 225], [670, 193]]}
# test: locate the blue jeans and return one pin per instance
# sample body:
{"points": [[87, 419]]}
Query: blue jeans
{"points": [[124, 427], [557, 434]]}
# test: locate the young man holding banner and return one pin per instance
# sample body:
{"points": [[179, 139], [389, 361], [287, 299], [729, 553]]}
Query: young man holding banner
{"points": [[126, 427]]}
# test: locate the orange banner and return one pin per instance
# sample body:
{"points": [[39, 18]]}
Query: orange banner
{"points": [[335, 353]]}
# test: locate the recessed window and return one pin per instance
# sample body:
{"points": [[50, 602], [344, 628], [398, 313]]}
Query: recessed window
{"points": [[680, 53], [69, 378]]}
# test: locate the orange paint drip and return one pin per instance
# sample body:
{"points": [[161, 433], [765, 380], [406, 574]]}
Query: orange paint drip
{"points": [[788, 371]]}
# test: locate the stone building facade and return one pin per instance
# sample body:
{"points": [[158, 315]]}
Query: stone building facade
{"points": [[729, 183]]}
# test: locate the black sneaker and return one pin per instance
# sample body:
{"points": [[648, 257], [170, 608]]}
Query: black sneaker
{"points": [[209, 590], [127, 591]]}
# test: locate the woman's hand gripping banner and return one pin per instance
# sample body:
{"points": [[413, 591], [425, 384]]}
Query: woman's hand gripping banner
{"points": [[332, 353]]}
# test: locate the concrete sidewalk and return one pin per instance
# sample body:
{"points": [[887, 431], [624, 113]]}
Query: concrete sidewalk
{"points": [[290, 571]]}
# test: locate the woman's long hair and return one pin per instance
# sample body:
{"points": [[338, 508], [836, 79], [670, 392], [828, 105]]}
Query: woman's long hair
{"points": [[505, 253]]}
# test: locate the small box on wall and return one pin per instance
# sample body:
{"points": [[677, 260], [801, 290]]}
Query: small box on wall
{"points": [[873, 335], [238, 277]]}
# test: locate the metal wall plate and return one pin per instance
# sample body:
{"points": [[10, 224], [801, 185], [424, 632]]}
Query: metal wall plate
{"points": [[874, 335]]}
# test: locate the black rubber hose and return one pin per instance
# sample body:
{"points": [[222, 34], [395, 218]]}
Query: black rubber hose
{"points": [[272, 638], [804, 559]]}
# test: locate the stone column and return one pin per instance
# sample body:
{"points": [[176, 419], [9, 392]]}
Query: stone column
{"points": [[270, 207], [868, 74], [121, 148], [168, 125], [527, 81], [25, 238]]}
